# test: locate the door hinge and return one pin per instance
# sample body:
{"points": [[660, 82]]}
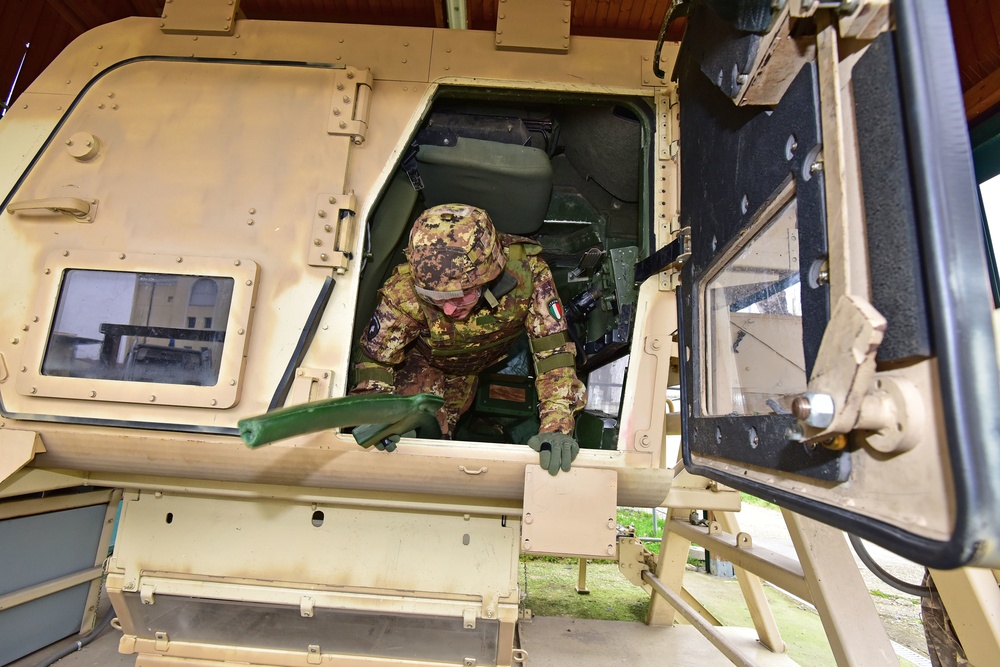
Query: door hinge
{"points": [[333, 231], [351, 102], [666, 138], [146, 593]]}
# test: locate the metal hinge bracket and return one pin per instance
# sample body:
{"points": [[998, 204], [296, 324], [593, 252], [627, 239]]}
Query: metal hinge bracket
{"points": [[310, 384], [314, 656], [333, 231], [634, 559], [351, 102], [469, 619], [162, 641], [146, 593], [307, 607]]}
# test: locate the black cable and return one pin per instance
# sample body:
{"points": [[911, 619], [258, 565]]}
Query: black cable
{"points": [[878, 571], [81, 642]]}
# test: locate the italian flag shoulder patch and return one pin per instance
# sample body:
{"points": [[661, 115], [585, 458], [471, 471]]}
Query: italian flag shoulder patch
{"points": [[555, 309]]}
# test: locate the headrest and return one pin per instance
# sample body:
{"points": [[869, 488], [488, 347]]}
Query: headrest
{"points": [[511, 183]]}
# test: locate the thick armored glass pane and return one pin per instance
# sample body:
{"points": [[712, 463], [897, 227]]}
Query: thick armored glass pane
{"points": [[139, 327], [753, 324]]}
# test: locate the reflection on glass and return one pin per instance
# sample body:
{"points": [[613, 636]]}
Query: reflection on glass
{"points": [[605, 386], [753, 324], [139, 327]]}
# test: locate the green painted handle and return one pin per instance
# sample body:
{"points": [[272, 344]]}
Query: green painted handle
{"points": [[389, 410]]}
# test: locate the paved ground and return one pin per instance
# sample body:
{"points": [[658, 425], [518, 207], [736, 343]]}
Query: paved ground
{"points": [[768, 529]]}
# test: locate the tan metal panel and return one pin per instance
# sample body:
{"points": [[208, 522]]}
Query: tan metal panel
{"points": [[594, 60], [366, 549], [569, 514], [328, 460]]}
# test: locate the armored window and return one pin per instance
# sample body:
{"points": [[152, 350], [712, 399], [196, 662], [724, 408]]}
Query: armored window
{"points": [[126, 326]]}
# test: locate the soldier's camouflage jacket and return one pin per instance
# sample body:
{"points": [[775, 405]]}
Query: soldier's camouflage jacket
{"points": [[405, 324]]}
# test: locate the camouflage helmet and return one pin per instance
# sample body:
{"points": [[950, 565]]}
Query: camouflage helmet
{"points": [[453, 249]]}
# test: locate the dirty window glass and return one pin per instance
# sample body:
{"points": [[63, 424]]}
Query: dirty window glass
{"points": [[139, 327], [753, 324], [605, 386]]}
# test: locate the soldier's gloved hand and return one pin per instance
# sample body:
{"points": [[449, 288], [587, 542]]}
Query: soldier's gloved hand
{"points": [[387, 444], [555, 450]]}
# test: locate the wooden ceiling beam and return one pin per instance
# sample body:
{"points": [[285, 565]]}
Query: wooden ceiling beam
{"points": [[63, 9], [88, 13], [983, 96]]}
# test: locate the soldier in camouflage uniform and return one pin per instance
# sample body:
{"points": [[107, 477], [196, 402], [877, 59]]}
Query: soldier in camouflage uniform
{"points": [[456, 307]]}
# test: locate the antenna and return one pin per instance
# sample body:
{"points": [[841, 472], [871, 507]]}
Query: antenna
{"points": [[17, 75]]}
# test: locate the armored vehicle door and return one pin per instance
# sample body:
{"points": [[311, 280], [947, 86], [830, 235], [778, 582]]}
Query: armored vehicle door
{"points": [[837, 350]]}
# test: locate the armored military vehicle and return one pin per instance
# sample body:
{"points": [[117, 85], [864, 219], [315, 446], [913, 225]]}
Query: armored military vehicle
{"points": [[775, 217]]}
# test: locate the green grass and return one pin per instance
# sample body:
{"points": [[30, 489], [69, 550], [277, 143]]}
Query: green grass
{"points": [[551, 590], [875, 593], [549, 583], [754, 500], [643, 522]]}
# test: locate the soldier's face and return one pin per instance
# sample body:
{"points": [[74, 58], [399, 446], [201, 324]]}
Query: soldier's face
{"points": [[460, 307]]}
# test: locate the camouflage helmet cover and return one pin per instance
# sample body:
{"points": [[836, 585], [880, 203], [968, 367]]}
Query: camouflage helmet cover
{"points": [[453, 249]]}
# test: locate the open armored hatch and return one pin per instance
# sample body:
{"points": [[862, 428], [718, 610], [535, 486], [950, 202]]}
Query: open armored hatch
{"points": [[836, 341]]}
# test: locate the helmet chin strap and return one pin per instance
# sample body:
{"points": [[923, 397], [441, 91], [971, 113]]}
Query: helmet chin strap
{"points": [[499, 287]]}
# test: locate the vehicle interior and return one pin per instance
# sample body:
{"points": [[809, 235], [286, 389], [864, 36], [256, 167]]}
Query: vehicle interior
{"points": [[567, 172]]}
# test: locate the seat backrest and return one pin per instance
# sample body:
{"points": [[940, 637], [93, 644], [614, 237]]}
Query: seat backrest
{"points": [[513, 184]]}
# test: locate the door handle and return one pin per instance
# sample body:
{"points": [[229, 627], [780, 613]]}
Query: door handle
{"points": [[80, 210]]}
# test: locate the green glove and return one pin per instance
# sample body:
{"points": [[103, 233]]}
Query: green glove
{"points": [[555, 450], [387, 444]]}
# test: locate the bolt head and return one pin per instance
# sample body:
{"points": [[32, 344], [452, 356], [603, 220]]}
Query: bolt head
{"points": [[818, 409]]}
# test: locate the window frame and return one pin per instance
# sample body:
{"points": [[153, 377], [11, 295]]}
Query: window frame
{"points": [[224, 394]]}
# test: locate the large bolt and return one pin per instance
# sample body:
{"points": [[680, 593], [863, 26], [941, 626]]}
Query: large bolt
{"points": [[816, 410]]}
